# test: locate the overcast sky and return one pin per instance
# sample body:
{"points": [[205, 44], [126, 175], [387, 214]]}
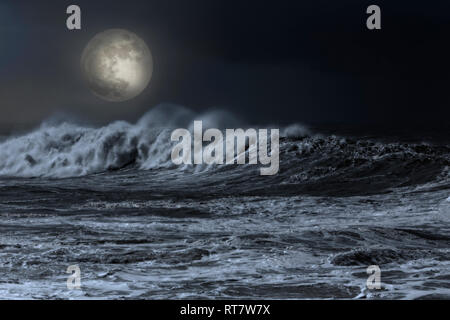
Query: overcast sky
{"points": [[266, 61]]}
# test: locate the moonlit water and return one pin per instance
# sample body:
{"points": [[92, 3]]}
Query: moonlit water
{"points": [[110, 200]]}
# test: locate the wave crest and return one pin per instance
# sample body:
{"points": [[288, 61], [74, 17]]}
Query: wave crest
{"points": [[61, 150]]}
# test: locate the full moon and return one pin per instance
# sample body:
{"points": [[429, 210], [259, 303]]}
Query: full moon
{"points": [[117, 65]]}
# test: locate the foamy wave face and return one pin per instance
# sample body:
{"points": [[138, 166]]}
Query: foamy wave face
{"points": [[69, 150]]}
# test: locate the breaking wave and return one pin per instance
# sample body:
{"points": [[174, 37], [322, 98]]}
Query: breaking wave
{"points": [[69, 150], [60, 150], [308, 160]]}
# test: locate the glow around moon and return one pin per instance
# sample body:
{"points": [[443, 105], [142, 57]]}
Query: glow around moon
{"points": [[117, 65]]}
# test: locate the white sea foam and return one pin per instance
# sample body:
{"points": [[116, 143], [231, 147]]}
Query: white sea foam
{"points": [[65, 150], [61, 149], [295, 131]]}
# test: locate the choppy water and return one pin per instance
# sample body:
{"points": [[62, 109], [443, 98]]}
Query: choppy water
{"points": [[110, 201]]}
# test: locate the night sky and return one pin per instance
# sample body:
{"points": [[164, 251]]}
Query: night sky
{"points": [[265, 61]]}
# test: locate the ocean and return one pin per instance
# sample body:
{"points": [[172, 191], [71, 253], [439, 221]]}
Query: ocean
{"points": [[109, 200]]}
